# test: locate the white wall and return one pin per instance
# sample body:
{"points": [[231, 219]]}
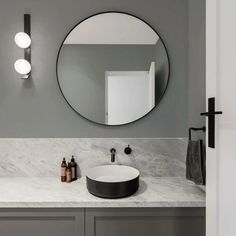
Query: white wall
{"points": [[116, 28]]}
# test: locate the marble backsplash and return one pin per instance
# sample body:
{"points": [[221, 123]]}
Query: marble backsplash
{"points": [[162, 157]]}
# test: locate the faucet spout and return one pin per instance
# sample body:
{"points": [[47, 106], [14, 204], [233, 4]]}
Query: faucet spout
{"points": [[113, 154]]}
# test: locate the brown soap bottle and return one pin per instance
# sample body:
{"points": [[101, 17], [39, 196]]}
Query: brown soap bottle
{"points": [[68, 173], [63, 170], [73, 169]]}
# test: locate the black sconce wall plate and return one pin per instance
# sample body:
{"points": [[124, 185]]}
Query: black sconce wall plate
{"points": [[27, 30]]}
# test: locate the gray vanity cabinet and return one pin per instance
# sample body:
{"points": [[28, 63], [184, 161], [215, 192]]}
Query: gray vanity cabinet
{"points": [[103, 222], [42, 222], [145, 222]]}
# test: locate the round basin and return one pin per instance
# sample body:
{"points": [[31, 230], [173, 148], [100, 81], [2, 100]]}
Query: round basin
{"points": [[112, 181]]}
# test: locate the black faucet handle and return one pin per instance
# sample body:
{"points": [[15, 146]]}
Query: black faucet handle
{"points": [[113, 150], [128, 150]]}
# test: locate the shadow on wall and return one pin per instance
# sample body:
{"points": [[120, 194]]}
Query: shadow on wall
{"points": [[162, 71]]}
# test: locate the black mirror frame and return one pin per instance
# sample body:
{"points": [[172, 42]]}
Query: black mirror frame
{"points": [[160, 96]]}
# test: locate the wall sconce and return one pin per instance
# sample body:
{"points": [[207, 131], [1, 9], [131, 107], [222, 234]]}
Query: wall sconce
{"points": [[23, 40]]}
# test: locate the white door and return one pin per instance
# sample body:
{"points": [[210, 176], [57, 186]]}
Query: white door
{"points": [[221, 84], [126, 96]]}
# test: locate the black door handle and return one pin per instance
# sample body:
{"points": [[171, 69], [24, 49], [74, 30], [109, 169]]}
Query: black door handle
{"points": [[211, 121], [211, 113]]}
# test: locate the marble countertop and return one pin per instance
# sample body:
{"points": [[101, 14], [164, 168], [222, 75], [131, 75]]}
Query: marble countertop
{"points": [[50, 192]]}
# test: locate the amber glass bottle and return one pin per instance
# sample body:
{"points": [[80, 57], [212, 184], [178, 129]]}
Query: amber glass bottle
{"points": [[63, 170], [68, 173], [73, 168]]}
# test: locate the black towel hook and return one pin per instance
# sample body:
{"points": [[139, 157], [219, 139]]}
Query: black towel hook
{"points": [[195, 129]]}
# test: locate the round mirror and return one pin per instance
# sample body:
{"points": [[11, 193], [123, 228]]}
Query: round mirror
{"points": [[113, 68]]}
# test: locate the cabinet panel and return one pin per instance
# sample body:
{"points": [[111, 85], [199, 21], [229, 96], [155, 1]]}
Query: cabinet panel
{"points": [[42, 222], [143, 222], [103, 222]]}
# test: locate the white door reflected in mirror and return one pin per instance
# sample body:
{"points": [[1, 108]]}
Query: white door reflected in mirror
{"points": [[129, 95]]}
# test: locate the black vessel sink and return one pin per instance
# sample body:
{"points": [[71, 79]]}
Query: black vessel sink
{"points": [[112, 181]]}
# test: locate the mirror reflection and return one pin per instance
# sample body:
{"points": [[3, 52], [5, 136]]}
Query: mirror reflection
{"points": [[113, 68]]}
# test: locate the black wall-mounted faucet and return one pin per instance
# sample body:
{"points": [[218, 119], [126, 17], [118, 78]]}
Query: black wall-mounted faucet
{"points": [[113, 154]]}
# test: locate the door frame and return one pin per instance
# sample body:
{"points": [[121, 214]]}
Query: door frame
{"points": [[212, 61]]}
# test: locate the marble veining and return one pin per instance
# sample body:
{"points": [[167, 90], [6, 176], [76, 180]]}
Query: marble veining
{"points": [[153, 157], [50, 192]]}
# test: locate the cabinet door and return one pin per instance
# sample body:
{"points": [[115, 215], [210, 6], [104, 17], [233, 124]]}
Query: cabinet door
{"points": [[38, 222], [145, 222]]}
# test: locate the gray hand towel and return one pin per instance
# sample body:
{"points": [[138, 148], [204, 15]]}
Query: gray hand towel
{"points": [[196, 162]]}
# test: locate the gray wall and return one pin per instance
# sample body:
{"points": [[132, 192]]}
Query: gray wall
{"points": [[81, 72], [36, 108], [196, 64]]}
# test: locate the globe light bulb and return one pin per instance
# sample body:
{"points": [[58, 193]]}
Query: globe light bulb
{"points": [[22, 66], [22, 40]]}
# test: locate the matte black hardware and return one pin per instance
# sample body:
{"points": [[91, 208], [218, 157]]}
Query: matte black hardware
{"points": [[27, 30], [195, 129], [113, 154], [128, 150], [211, 113], [211, 121]]}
